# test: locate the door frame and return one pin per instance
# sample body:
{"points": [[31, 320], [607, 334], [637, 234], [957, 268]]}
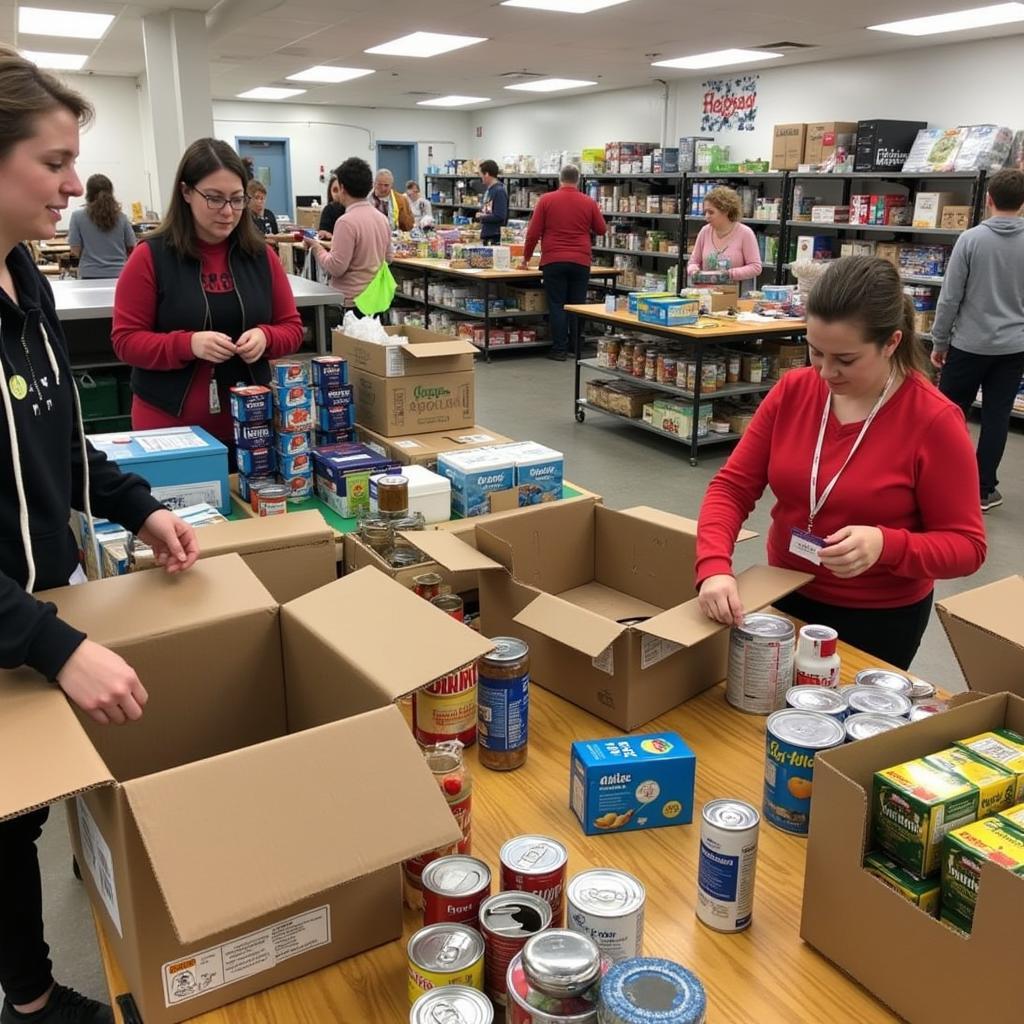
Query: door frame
{"points": [[289, 194], [414, 146]]}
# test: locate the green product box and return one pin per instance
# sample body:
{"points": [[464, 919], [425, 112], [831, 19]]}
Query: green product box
{"points": [[995, 784], [923, 893], [964, 850], [1013, 816], [1002, 747]]}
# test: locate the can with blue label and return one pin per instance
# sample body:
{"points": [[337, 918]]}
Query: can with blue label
{"points": [[727, 864], [792, 739], [503, 696]]}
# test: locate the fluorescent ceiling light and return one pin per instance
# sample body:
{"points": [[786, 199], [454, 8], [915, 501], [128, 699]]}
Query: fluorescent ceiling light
{"points": [[425, 44], [717, 59], [267, 92], [551, 84], [955, 21], [327, 73], [56, 61], [563, 6], [37, 21], [453, 101]]}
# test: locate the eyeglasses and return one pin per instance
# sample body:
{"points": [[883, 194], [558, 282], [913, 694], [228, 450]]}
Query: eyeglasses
{"points": [[236, 203]]}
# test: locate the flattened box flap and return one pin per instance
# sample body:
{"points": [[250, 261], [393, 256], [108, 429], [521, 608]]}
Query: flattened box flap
{"points": [[432, 349], [247, 536], [449, 550], [569, 624], [244, 834], [995, 608]]}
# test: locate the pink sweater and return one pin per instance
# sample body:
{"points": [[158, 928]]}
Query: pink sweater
{"points": [[741, 249], [361, 243]]}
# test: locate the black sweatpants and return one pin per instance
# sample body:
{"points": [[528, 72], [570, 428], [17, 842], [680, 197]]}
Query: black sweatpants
{"points": [[564, 283], [892, 635]]}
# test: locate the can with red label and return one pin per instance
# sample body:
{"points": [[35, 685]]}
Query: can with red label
{"points": [[536, 864], [447, 708], [507, 920], [450, 604], [454, 889]]}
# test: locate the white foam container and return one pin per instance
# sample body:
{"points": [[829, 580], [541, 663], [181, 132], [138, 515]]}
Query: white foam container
{"points": [[429, 493]]}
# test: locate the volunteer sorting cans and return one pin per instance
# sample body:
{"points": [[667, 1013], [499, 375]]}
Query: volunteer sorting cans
{"points": [[873, 473]]}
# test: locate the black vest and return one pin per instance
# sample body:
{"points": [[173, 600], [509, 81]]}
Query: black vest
{"points": [[182, 305]]}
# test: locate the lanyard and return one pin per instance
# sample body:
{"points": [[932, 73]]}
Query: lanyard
{"points": [[818, 503]]}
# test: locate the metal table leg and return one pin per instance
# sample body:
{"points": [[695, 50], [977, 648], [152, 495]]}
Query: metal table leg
{"points": [[487, 320], [426, 298], [320, 314], [698, 373], [578, 411]]}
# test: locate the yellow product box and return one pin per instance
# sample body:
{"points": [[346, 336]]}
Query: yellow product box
{"points": [[913, 806], [1002, 747], [995, 784], [1013, 816], [923, 893]]}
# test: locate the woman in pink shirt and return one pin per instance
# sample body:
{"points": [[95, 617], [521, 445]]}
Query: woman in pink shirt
{"points": [[723, 237]]}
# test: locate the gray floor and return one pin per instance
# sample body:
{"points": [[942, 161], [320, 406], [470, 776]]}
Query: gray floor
{"points": [[529, 397]]}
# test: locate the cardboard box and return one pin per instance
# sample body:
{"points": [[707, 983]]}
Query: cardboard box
{"points": [[396, 406], [179, 820], [359, 555], [824, 136], [788, 146], [788, 354], [856, 921], [562, 576], [423, 449], [308, 217], [929, 207], [426, 353], [956, 218]]}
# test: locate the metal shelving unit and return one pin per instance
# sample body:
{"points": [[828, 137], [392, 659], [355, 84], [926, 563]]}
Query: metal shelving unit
{"points": [[729, 391], [583, 404]]}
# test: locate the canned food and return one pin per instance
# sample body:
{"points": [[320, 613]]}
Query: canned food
{"points": [[536, 864], [876, 700], [727, 864], [608, 907], [667, 370], [427, 585], [453, 1004], [862, 726], [445, 954], [446, 709], [650, 989], [453, 890], [507, 920], [504, 704], [732, 368], [404, 557], [792, 738], [817, 698], [651, 364], [555, 980], [926, 709], [273, 499], [885, 680], [760, 663], [450, 604], [921, 691]]}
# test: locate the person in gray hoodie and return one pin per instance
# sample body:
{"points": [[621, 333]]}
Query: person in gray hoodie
{"points": [[978, 336]]}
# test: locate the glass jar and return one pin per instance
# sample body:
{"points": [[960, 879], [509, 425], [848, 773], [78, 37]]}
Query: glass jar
{"points": [[378, 535], [558, 973], [392, 497], [503, 680]]}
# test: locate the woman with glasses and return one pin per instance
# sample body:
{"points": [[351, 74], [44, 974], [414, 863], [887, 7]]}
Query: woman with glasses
{"points": [[203, 302]]}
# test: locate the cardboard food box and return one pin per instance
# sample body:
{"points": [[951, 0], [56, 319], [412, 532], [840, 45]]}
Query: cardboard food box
{"points": [[308, 217], [564, 576], [397, 406], [824, 136], [359, 555], [423, 449], [217, 835], [425, 353], [956, 218], [929, 207], [789, 355], [788, 146]]}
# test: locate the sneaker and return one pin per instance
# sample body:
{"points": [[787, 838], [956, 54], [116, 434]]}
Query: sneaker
{"points": [[65, 1006], [557, 356], [991, 500]]}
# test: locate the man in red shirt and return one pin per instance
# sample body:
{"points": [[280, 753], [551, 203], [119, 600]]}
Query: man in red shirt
{"points": [[563, 222]]}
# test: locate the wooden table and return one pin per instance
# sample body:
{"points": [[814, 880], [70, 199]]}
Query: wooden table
{"points": [[708, 330], [487, 278], [765, 975]]}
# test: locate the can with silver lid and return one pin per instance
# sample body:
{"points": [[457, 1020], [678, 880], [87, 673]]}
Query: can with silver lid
{"points": [[727, 864], [273, 500], [920, 691], [926, 709], [454, 888], [607, 906], [760, 663], [445, 954], [894, 682], [453, 1004], [555, 980], [792, 739], [862, 725], [507, 920], [817, 698], [648, 990], [536, 864], [877, 700]]}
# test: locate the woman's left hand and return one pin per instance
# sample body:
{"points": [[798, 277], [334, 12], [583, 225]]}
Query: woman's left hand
{"points": [[852, 550], [173, 541], [251, 345]]}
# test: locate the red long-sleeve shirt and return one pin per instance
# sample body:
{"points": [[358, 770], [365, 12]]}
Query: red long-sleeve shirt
{"points": [[914, 476], [136, 343], [563, 221]]}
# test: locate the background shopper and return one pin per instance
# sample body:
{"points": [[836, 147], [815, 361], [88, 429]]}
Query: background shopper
{"points": [[723, 237], [863, 455], [563, 223], [264, 219], [422, 212], [392, 204], [99, 234], [331, 212], [978, 335], [493, 213]]}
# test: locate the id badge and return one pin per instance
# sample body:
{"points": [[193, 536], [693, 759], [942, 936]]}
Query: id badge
{"points": [[214, 395], [805, 545]]}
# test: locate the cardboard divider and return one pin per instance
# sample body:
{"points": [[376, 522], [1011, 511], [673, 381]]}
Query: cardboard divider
{"points": [[569, 624]]}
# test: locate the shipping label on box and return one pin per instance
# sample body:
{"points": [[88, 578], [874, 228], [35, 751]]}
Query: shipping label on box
{"points": [[632, 782], [409, 405]]}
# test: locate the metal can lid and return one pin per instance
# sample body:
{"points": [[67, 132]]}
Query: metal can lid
{"points": [[816, 698], [272, 492], [561, 963], [920, 690], [507, 648], [514, 913], [810, 729], [456, 875], [763, 625], [884, 680], [605, 892], [649, 988], [428, 579], [731, 815], [878, 701], [392, 481], [447, 602], [445, 947], [861, 726], [452, 1004], [533, 855]]}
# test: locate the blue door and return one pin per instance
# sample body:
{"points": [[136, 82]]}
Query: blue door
{"points": [[271, 165], [400, 159]]}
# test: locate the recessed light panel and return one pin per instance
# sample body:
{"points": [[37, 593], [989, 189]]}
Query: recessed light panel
{"points": [[56, 61], [551, 85], [425, 44], [327, 73], [267, 92], [39, 21], [564, 6], [717, 59], [954, 21], [453, 101]]}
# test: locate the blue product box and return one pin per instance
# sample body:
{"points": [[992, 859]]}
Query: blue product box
{"points": [[475, 475], [333, 394], [343, 476], [329, 371], [673, 312], [183, 465], [300, 485], [257, 461], [323, 438], [335, 417], [629, 783], [252, 403], [293, 397], [475, 306], [633, 298], [293, 443], [295, 463], [253, 435], [288, 372], [539, 471]]}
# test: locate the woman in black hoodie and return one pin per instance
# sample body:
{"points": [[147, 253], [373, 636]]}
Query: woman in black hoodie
{"points": [[47, 468]]}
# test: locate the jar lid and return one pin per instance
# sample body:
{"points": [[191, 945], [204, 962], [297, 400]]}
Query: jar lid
{"points": [[561, 963], [507, 648], [273, 492], [392, 481]]}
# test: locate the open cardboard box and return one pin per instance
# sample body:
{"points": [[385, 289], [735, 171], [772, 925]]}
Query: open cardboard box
{"points": [[426, 352], [564, 576], [423, 449], [894, 949], [250, 827]]}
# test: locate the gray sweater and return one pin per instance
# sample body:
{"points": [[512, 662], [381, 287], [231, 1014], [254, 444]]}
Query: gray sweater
{"points": [[981, 305]]}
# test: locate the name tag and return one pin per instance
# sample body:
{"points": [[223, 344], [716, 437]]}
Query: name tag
{"points": [[805, 545]]}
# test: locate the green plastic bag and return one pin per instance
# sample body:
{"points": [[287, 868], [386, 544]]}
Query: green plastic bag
{"points": [[378, 295]]}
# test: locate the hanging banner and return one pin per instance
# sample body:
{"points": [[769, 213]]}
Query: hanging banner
{"points": [[729, 104]]}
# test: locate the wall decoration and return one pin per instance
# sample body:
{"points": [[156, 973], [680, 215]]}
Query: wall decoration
{"points": [[729, 104]]}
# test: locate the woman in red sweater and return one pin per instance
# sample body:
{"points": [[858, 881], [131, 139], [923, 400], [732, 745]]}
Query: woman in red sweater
{"points": [[203, 302], [872, 470]]}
